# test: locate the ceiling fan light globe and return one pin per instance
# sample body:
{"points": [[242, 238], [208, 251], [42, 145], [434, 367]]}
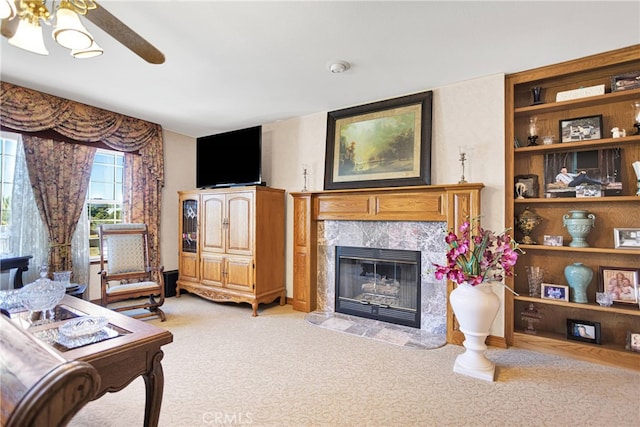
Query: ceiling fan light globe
{"points": [[7, 9], [69, 31], [29, 37], [90, 52]]}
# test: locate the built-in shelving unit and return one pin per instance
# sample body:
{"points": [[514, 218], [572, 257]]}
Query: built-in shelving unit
{"points": [[614, 211]]}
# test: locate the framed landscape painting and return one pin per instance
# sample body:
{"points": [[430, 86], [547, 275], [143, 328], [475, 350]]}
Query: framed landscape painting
{"points": [[383, 144]]}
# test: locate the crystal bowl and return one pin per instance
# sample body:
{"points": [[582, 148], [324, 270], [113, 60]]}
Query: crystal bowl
{"points": [[43, 294], [85, 325], [605, 299]]}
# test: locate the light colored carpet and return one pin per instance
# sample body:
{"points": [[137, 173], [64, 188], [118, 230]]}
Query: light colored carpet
{"points": [[226, 368]]}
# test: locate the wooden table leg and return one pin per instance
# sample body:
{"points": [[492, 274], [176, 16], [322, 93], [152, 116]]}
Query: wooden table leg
{"points": [[154, 384]]}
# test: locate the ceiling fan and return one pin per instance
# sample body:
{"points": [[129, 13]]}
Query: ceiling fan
{"points": [[17, 14]]}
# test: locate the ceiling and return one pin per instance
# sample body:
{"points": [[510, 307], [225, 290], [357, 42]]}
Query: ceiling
{"points": [[236, 64]]}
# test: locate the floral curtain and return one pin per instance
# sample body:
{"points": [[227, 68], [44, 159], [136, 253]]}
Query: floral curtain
{"points": [[59, 173], [28, 110], [141, 199]]}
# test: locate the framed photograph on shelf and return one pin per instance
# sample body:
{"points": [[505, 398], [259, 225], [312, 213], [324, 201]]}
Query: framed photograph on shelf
{"points": [[621, 282], [581, 129], [626, 238], [382, 144], [633, 341], [590, 168], [552, 240], [625, 81], [557, 292], [583, 330], [531, 185]]}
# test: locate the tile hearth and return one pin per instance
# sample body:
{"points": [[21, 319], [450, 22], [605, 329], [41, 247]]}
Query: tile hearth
{"points": [[377, 330]]}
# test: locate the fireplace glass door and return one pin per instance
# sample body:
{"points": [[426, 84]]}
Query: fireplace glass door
{"points": [[381, 284]]}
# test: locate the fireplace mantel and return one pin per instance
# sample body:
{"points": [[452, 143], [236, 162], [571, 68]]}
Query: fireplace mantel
{"points": [[453, 203]]}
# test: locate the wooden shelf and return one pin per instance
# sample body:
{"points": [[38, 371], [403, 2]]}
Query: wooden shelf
{"points": [[607, 199], [611, 211], [578, 250], [578, 146], [631, 309], [607, 98], [607, 354]]}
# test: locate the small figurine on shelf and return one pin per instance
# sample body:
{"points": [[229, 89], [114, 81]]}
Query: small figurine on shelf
{"points": [[521, 188], [533, 131], [531, 316], [616, 132]]}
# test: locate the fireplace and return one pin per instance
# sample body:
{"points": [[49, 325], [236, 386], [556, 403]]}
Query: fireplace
{"points": [[380, 284], [425, 237], [405, 218]]}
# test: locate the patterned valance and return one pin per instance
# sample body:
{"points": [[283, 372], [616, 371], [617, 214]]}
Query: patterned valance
{"points": [[28, 110]]}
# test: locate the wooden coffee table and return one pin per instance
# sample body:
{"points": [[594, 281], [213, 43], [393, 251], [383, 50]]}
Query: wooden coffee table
{"points": [[128, 348]]}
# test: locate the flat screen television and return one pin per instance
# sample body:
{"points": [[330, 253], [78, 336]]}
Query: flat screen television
{"points": [[229, 159]]}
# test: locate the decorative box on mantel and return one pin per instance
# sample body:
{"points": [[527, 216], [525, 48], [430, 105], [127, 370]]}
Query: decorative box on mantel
{"points": [[452, 204]]}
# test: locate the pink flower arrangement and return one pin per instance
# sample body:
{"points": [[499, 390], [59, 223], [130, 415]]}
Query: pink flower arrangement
{"points": [[478, 255]]}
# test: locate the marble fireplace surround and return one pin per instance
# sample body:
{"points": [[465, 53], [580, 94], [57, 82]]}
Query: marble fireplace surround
{"points": [[426, 237], [392, 217]]}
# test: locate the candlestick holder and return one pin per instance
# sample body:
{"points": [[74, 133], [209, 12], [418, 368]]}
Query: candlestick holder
{"points": [[533, 131], [305, 175], [463, 158], [636, 116]]}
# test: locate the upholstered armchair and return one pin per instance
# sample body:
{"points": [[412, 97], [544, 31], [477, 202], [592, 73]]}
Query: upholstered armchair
{"points": [[128, 281]]}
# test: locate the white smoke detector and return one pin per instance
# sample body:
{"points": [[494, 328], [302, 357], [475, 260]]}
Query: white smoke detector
{"points": [[338, 67]]}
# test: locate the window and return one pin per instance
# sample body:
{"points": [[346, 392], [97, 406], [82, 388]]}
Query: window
{"points": [[104, 199], [8, 146]]}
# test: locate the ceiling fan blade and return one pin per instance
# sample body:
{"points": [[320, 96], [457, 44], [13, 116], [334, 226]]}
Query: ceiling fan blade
{"points": [[9, 27], [125, 35]]}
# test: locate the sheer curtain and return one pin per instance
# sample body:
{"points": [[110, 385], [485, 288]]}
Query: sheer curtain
{"points": [[29, 235], [80, 249]]}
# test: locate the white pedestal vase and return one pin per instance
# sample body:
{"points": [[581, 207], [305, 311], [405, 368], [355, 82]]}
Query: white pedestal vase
{"points": [[475, 308]]}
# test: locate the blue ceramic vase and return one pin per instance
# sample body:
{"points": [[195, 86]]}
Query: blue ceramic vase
{"points": [[578, 276], [578, 223]]}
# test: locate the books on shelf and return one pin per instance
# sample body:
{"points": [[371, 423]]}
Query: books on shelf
{"points": [[582, 92]]}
